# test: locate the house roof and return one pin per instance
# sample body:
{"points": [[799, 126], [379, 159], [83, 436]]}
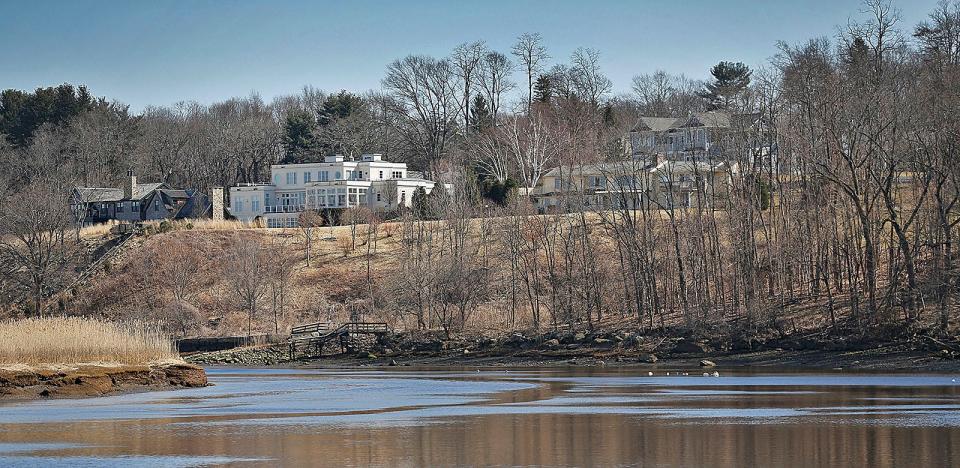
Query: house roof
{"points": [[110, 194], [716, 119], [657, 124]]}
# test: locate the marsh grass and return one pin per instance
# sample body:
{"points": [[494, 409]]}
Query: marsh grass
{"points": [[70, 340]]}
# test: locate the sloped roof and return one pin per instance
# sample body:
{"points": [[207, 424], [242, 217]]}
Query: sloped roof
{"points": [[708, 119], [110, 194], [657, 124], [98, 194]]}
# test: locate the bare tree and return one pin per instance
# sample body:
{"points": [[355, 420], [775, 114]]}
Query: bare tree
{"points": [[496, 69], [245, 268], [33, 244], [466, 60], [532, 54]]}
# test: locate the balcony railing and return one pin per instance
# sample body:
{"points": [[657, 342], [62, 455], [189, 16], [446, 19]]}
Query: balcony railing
{"points": [[284, 209]]}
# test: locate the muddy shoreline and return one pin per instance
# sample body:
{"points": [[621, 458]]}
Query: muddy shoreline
{"points": [[610, 349], [93, 380]]}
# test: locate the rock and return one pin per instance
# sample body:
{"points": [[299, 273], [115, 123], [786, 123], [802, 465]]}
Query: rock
{"points": [[579, 336], [466, 351], [685, 347], [370, 356], [601, 341], [649, 358], [707, 363], [551, 343], [393, 362]]}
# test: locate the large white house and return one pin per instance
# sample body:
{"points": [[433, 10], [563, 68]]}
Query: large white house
{"points": [[332, 184]]}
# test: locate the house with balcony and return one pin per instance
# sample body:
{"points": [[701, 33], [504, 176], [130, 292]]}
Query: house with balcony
{"points": [[633, 184], [334, 184], [700, 137]]}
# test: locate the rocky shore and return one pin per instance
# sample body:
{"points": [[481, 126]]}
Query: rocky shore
{"points": [[615, 348], [90, 380]]}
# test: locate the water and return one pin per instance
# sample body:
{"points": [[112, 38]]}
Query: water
{"points": [[565, 417]]}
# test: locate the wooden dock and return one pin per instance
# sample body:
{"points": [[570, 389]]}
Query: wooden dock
{"points": [[314, 336]]}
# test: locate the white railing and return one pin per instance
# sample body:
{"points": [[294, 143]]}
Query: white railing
{"points": [[285, 209]]}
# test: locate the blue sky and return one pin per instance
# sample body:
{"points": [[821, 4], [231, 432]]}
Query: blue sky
{"points": [[160, 52]]}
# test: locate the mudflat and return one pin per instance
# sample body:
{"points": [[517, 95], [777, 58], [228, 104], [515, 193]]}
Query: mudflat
{"points": [[20, 382]]}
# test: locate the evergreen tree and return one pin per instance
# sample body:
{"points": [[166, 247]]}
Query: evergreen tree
{"points": [[420, 204], [480, 113], [543, 89], [22, 113], [338, 106], [299, 137], [730, 80]]}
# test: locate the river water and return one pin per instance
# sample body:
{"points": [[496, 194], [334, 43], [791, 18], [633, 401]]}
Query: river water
{"points": [[557, 417]]}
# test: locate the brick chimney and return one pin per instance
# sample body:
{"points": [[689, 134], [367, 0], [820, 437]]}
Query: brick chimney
{"points": [[129, 185]]}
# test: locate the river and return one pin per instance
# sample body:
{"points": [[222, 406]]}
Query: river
{"points": [[553, 416]]}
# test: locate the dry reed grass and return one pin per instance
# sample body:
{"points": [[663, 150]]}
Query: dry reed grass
{"points": [[70, 340]]}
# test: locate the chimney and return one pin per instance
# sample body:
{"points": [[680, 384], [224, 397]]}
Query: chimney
{"points": [[216, 203], [130, 185]]}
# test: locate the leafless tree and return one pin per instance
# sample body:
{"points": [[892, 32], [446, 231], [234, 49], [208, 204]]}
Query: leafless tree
{"points": [[532, 54]]}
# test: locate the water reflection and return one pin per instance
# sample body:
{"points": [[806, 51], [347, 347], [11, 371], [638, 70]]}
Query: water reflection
{"points": [[497, 417]]}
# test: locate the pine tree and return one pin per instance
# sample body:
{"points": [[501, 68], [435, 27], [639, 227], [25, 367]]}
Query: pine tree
{"points": [[299, 137], [420, 203], [480, 114], [543, 89], [730, 80]]}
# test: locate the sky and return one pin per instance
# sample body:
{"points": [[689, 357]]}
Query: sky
{"points": [[160, 52]]}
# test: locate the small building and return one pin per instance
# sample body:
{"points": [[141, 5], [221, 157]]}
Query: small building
{"points": [[632, 184], [137, 202], [334, 184]]}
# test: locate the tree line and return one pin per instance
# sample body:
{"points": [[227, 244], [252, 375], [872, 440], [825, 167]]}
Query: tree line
{"points": [[844, 199]]}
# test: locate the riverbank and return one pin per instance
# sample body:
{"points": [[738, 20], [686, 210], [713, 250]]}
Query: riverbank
{"points": [[619, 349], [21, 382]]}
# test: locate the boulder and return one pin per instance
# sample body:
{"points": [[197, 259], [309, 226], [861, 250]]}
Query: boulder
{"points": [[649, 358], [551, 343], [601, 341], [707, 363], [579, 336], [685, 347], [393, 362]]}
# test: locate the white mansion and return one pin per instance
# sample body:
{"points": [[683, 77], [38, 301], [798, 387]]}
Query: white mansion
{"points": [[331, 184]]}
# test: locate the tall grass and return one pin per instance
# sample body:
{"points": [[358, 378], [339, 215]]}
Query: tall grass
{"points": [[71, 340]]}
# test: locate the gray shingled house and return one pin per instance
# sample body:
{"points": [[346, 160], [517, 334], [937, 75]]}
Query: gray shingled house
{"points": [[137, 202]]}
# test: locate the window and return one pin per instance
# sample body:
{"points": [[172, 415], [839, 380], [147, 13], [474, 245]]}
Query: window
{"points": [[239, 204], [556, 183], [276, 179], [397, 174], [291, 178], [324, 176], [381, 174], [119, 207], [135, 206], [378, 196], [156, 204], [336, 175], [360, 175], [255, 205], [306, 177]]}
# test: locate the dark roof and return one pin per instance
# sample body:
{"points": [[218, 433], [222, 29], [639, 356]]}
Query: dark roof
{"points": [[110, 194]]}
